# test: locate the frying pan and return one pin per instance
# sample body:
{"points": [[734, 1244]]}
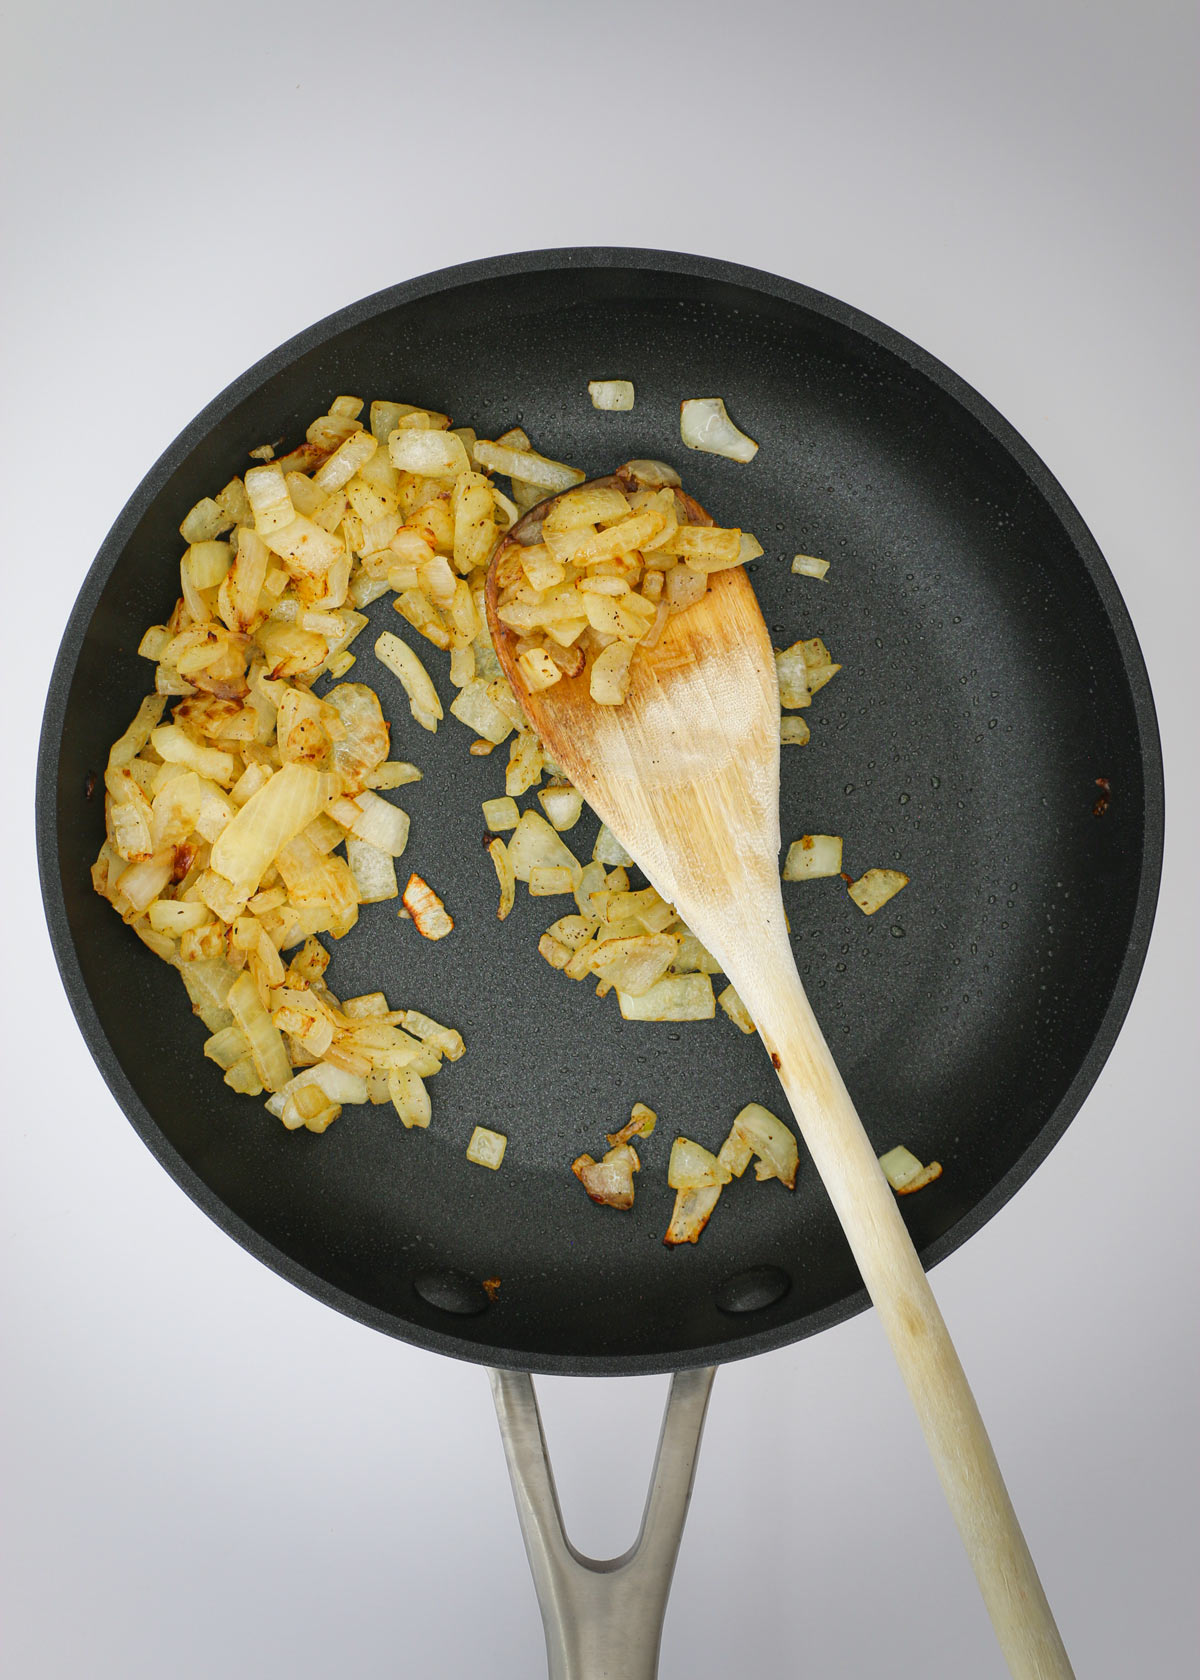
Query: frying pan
{"points": [[991, 733]]}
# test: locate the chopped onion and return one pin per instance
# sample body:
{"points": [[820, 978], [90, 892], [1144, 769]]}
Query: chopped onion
{"points": [[608, 850], [409, 1097], [264, 1038], [378, 823], [793, 732], [682, 997], [692, 957], [905, 1173], [641, 1123], [525, 763], [691, 1214], [429, 454], [736, 1010], [373, 870], [562, 805], [268, 821], [475, 707], [875, 887], [535, 845], [414, 678], [498, 852], [792, 670], [613, 394], [771, 1141], [692, 1167], [705, 424], [735, 1155], [500, 814], [394, 774], [445, 1040], [547, 880], [635, 964], [609, 1181], [813, 855], [807, 565], [527, 466], [486, 1148], [651, 475], [426, 909]]}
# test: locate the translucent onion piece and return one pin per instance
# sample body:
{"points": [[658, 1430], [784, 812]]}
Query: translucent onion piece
{"points": [[373, 870], [268, 820], [692, 1167], [875, 887], [500, 814], [498, 852], [731, 1003], [562, 805], [608, 850], [535, 845], [410, 1098], [813, 855], [704, 424], [616, 395], [905, 1173], [691, 1214], [263, 1036], [527, 466], [486, 1148], [609, 1182], [773, 1143], [403, 663], [682, 997]]}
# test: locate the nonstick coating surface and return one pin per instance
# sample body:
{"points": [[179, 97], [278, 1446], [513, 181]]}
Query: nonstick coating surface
{"points": [[990, 676]]}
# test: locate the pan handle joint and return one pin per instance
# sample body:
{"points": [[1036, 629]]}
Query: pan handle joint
{"points": [[603, 1618]]}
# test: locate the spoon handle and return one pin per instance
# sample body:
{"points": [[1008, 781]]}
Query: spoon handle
{"points": [[865, 1204]]}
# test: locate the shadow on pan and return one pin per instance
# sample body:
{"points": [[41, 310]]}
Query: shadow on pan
{"points": [[990, 679]]}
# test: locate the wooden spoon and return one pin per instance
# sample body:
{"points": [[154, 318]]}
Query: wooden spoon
{"points": [[686, 775]]}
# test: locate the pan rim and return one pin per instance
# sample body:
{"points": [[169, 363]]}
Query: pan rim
{"points": [[582, 260]]}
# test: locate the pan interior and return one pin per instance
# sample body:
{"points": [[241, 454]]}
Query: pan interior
{"points": [[983, 692]]}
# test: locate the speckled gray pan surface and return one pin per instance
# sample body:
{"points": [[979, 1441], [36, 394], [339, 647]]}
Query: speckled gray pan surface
{"points": [[989, 677]]}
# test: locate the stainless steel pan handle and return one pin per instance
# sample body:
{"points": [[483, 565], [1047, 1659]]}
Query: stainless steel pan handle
{"points": [[603, 1618]]}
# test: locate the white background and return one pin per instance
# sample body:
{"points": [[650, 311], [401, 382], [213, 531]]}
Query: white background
{"points": [[206, 1473]]}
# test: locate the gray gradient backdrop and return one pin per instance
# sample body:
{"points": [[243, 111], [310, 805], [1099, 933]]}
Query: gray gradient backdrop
{"points": [[205, 1473]]}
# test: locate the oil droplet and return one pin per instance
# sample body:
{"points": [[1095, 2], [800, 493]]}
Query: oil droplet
{"points": [[849, 788], [897, 931], [904, 799], [935, 781]]}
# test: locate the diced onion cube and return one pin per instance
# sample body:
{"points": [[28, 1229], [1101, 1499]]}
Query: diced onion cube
{"points": [[616, 395], [813, 855], [807, 565], [875, 887], [500, 814], [486, 1148], [692, 1167], [793, 732], [905, 1173], [562, 806]]}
